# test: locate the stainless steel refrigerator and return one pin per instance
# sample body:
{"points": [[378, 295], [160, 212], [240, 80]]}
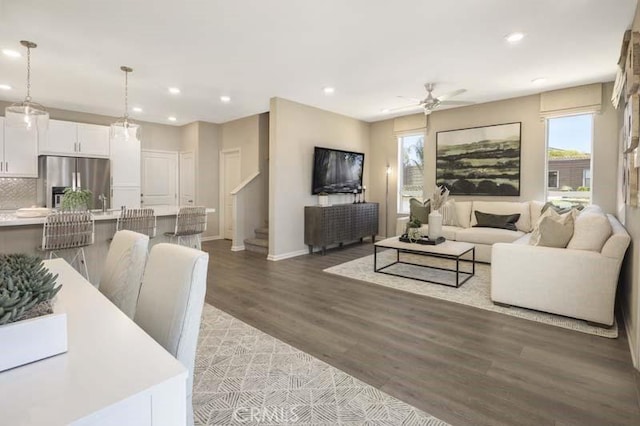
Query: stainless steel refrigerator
{"points": [[58, 173]]}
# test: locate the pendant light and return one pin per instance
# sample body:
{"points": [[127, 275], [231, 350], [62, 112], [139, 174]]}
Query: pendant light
{"points": [[27, 114], [125, 128]]}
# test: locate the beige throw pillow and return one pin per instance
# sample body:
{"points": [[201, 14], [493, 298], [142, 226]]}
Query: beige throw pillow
{"points": [[449, 214], [553, 229]]}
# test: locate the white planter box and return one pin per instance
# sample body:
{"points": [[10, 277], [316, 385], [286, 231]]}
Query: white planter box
{"points": [[32, 340]]}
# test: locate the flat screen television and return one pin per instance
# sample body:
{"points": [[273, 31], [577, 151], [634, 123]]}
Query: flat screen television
{"points": [[336, 171]]}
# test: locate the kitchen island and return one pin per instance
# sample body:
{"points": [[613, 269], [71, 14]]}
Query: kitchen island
{"points": [[24, 235]]}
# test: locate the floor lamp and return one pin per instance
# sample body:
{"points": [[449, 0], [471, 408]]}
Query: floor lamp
{"points": [[386, 204]]}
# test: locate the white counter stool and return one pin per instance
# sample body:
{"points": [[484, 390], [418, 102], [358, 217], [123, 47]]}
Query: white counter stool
{"points": [[123, 269], [67, 233], [190, 223], [171, 301], [142, 221]]}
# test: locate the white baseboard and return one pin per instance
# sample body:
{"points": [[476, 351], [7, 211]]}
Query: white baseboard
{"points": [[287, 255], [212, 238], [237, 248], [631, 341]]}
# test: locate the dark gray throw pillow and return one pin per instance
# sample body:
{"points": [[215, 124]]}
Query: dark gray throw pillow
{"points": [[419, 210], [500, 221]]}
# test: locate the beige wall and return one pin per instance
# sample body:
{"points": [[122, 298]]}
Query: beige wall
{"points": [[153, 135], [630, 289], [244, 134], [204, 140], [525, 110], [294, 131]]}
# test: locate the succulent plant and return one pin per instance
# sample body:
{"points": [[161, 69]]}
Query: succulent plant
{"points": [[24, 284]]}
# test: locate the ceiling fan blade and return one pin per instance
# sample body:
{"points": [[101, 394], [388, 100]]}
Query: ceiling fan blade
{"points": [[451, 94], [456, 103], [402, 108], [410, 98]]}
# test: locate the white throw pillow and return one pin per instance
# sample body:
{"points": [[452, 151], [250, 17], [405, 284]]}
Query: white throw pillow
{"points": [[448, 212], [463, 213], [591, 231]]}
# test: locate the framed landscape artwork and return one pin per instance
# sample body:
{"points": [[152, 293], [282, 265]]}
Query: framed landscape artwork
{"points": [[480, 160]]}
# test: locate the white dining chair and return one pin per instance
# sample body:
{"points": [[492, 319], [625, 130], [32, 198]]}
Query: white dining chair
{"points": [[171, 302], [123, 269]]}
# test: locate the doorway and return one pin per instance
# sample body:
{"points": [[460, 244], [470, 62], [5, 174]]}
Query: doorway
{"points": [[229, 180], [159, 178]]}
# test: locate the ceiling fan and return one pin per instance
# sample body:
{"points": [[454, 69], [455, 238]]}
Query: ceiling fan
{"points": [[431, 103]]}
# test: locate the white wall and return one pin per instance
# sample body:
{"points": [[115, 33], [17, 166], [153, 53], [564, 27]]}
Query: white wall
{"points": [[294, 131], [244, 134], [630, 290]]}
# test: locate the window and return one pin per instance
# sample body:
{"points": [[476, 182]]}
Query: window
{"points": [[553, 179], [586, 178], [410, 169], [569, 142]]}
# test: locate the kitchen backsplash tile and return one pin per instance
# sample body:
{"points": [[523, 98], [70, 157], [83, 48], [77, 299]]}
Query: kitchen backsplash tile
{"points": [[16, 193]]}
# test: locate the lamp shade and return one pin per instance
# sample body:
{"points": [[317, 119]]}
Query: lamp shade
{"points": [[125, 129], [28, 115]]}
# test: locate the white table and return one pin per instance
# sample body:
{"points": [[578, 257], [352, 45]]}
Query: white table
{"points": [[452, 250], [113, 373]]}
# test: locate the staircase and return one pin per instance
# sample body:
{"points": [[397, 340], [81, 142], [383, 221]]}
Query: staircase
{"points": [[259, 244]]}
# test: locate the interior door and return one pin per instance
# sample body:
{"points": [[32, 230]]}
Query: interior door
{"points": [[187, 179], [159, 178], [230, 180]]}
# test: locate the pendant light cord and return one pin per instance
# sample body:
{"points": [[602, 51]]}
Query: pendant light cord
{"points": [[28, 98], [126, 95]]}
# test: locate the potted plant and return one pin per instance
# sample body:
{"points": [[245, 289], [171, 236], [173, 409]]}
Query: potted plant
{"points": [[323, 199], [76, 199], [29, 328], [413, 229], [438, 200]]}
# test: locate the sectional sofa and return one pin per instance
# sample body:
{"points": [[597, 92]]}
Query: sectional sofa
{"points": [[575, 282]]}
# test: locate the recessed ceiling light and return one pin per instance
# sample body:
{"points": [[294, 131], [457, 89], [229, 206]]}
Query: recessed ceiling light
{"points": [[539, 80], [5, 87], [136, 109], [514, 38], [11, 53], [385, 110], [329, 90], [172, 118], [174, 90], [225, 99]]}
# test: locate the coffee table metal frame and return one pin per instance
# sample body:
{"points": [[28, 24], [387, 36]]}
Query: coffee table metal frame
{"points": [[457, 270]]}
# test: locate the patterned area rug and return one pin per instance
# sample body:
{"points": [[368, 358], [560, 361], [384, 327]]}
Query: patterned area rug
{"points": [[246, 377], [475, 292]]}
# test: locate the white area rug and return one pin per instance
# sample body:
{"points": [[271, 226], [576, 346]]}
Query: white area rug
{"points": [[475, 292], [246, 377]]}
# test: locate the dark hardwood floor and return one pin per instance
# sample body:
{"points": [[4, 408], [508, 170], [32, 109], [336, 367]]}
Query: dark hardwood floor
{"points": [[461, 364]]}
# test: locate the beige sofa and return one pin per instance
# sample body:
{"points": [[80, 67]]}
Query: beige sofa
{"points": [[485, 238], [578, 283]]}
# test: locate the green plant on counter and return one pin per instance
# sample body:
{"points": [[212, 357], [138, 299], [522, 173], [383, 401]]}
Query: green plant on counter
{"points": [[78, 199], [415, 223], [25, 283]]}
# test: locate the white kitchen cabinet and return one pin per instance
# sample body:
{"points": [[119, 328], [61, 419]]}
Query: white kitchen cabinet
{"points": [[61, 138], [93, 140], [125, 162], [128, 196], [75, 139], [18, 152]]}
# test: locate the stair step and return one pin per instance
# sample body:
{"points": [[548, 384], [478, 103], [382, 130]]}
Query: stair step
{"points": [[256, 245], [262, 233]]}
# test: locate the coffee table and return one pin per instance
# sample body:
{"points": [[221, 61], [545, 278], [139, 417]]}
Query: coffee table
{"points": [[452, 250]]}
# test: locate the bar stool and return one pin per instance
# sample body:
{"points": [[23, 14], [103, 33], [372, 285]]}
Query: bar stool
{"points": [[142, 221], [190, 223], [69, 232]]}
